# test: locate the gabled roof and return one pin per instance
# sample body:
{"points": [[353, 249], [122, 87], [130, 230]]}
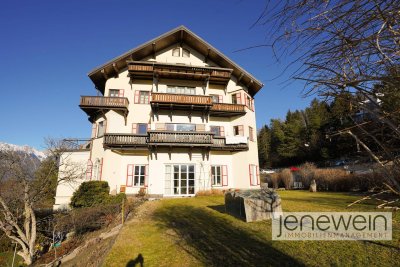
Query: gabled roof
{"points": [[181, 35]]}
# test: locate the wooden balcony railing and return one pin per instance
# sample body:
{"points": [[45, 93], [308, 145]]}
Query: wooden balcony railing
{"points": [[125, 140], [101, 101], [181, 99], [220, 144], [224, 107], [192, 138]]}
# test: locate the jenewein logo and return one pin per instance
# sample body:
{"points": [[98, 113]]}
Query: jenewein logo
{"points": [[332, 226]]}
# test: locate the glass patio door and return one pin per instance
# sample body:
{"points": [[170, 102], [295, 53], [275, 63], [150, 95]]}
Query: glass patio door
{"points": [[182, 182]]}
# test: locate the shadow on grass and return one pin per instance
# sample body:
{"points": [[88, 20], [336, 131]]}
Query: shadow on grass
{"points": [[138, 261], [215, 241]]}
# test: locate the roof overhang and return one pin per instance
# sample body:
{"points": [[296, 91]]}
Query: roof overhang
{"points": [[180, 35]]}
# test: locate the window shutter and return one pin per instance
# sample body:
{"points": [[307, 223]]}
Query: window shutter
{"points": [[200, 127], [89, 168], [222, 130], [241, 132], [245, 100], [224, 175], [146, 175], [148, 127], [105, 127], [134, 130], [239, 98], [129, 174], [101, 169], [220, 99], [94, 130], [251, 133], [250, 175], [121, 92], [258, 174], [211, 175], [137, 96]]}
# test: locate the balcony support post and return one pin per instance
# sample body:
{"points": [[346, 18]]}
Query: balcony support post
{"points": [[171, 109], [155, 82]]}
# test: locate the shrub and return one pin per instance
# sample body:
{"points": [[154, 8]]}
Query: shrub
{"points": [[90, 194], [275, 180], [306, 173], [287, 178]]}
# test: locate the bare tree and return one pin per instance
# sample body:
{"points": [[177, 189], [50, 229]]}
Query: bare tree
{"points": [[23, 184], [345, 46]]}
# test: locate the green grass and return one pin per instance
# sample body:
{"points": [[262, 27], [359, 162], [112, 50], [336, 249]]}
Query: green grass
{"points": [[197, 232], [6, 259]]}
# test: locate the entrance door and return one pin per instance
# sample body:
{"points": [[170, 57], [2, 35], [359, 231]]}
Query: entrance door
{"points": [[183, 179]]}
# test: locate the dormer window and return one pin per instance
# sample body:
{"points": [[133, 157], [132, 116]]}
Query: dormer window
{"points": [[176, 52], [185, 53]]}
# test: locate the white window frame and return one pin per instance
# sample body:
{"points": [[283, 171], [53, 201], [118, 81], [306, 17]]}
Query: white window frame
{"points": [[139, 179], [184, 90], [215, 176], [144, 97]]}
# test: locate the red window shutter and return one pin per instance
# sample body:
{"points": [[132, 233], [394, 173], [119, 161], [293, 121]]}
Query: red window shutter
{"points": [[258, 174], [134, 130], [224, 175], [146, 175], [137, 96], [245, 100], [220, 99], [241, 132], [239, 98], [250, 175], [94, 130], [130, 169], [121, 92], [89, 168], [251, 133], [148, 127], [101, 169], [222, 130]]}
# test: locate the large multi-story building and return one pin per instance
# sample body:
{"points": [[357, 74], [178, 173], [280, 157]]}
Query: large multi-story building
{"points": [[175, 116]]}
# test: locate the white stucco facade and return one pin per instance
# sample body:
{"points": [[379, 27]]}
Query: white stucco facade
{"points": [[170, 169]]}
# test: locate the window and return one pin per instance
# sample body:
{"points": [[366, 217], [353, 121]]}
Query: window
{"points": [[238, 130], [219, 175], [249, 102], [216, 98], [180, 127], [142, 97], [142, 128], [237, 98], [101, 128], [136, 175], [254, 174], [116, 93], [185, 52], [217, 130], [251, 134], [179, 179], [176, 52], [181, 90]]}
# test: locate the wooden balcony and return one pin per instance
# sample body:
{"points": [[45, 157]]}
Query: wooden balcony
{"points": [[93, 104], [219, 144], [227, 110], [169, 138], [125, 141], [178, 101], [148, 70]]}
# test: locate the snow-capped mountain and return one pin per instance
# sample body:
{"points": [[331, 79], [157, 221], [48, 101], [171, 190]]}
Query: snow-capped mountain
{"points": [[40, 155]]}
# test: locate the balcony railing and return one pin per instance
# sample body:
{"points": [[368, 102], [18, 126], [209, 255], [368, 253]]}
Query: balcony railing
{"points": [[229, 108], [169, 137], [106, 102], [220, 144], [181, 99], [118, 140]]}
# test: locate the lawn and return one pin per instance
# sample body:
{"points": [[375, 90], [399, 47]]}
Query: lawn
{"points": [[197, 232]]}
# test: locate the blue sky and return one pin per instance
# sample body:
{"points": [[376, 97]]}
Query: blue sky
{"points": [[48, 47]]}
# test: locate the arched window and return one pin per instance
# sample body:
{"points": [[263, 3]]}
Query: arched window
{"points": [[176, 52], [185, 53]]}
